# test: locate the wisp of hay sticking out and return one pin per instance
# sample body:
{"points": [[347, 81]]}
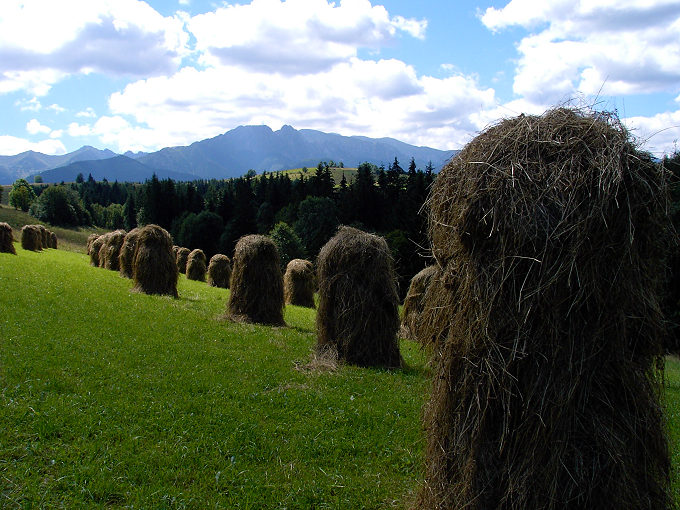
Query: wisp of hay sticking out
{"points": [[545, 387], [109, 253], [181, 258], [53, 240], [299, 283], [6, 239], [154, 269], [256, 282], [413, 303], [31, 238], [127, 253], [196, 265], [219, 271], [94, 246], [358, 303]]}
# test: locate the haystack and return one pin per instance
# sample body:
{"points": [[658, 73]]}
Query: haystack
{"points": [[53, 240], [256, 282], [154, 270], [196, 265], [181, 258], [358, 303], [44, 236], [545, 389], [109, 253], [219, 271], [299, 283], [127, 253], [413, 303], [6, 239], [31, 238], [90, 239], [95, 247]]}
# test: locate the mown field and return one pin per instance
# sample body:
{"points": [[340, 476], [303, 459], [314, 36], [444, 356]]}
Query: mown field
{"points": [[114, 399]]}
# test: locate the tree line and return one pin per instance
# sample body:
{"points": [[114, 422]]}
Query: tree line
{"points": [[300, 214]]}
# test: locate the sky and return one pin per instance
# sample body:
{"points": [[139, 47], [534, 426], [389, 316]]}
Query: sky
{"points": [[132, 75]]}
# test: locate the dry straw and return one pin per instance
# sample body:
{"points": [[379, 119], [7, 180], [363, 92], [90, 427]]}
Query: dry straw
{"points": [[53, 240], [109, 253], [94, 246], [545, 387], [413, 303], [31, 238], [181, 258], [219, 271], [154, 269], [6, 239], [358, 313], [127, 253], [196, 265], [256, 282], [299, 283], [44, 236]]}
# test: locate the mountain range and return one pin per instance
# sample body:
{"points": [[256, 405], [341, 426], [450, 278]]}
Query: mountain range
{"points": [[231, 154]]}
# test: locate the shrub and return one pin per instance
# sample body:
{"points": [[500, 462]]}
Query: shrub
{"points": [[287, 242]]}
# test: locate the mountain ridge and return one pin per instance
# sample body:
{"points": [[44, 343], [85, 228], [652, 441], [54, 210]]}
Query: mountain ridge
{"points": [[230, 154]]}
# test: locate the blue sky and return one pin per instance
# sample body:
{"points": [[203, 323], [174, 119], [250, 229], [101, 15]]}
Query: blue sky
{"points": [[142, 75]]}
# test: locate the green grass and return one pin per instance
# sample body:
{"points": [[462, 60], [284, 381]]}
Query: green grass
{"points": [[111, 398], [115, 399]]}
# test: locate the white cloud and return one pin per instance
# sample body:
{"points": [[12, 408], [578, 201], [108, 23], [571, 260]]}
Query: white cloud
{"points": [[76, 130], [87, 113], [29, 105], [11, 145], [56, 108], [383, 98], [660, 134], [34, 127], [57, 133], [597, 47], [42, 42], [295, 36]]}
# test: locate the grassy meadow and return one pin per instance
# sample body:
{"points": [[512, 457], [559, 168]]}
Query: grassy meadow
{"points": [[115, 399]]}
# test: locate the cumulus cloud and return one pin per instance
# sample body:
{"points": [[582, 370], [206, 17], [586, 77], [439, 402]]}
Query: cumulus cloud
{"points": [[11, 145], [42, 42], [34, 127], [295, 36], [605, 47]]}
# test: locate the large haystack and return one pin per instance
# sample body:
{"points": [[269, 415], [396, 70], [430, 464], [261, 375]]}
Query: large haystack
{"points": [[219, 271], [31, 238], [196, 262], [127, 253], [358, 303], [6, 239], [299, 283], [95, 247], [181, 258], [413, 303], [53, 240], [109, 253], [154, 269], [256, 282], [545, 392], [44, 236]]}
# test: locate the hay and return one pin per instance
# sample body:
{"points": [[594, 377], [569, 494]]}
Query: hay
{"points": [[6, 239], [299, 283], [109, 252], [90, 239], [127, 253], [44, 236], [53, 240], [154, 269], [256, 282], [31, 238], [196, 265], [219, 271], [413, 303], [181, 258], [545, 391], [95, 247], [358, 303]]}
